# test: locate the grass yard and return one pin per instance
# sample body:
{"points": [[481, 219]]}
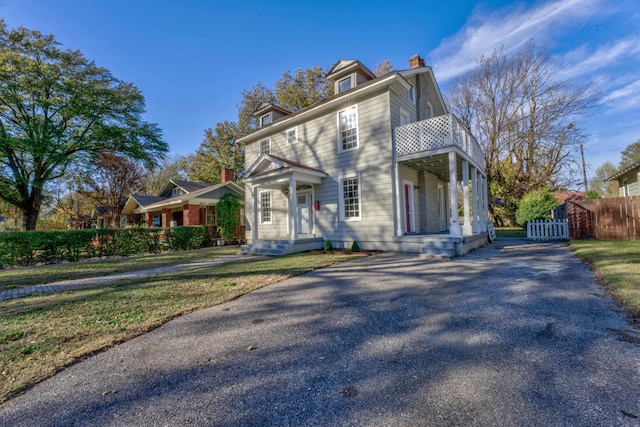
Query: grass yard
{"points": [[40, 335], [617, 266], [13, 278]]}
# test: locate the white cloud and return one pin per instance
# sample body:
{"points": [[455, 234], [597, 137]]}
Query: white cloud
{"points": [[625, 98], [509, 27], [583, 61]]}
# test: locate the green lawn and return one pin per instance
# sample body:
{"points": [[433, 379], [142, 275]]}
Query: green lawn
{"points": [[13, 278], [39, 335], [617, 266]]}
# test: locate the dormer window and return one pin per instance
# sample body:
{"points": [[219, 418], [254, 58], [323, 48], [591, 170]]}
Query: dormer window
{"points": [[265, 120], [345, 84], [176, 191]]}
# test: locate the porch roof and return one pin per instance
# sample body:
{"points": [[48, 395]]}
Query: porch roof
{"points": [[270, 169]]}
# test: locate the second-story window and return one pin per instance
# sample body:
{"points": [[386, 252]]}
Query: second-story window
{"points": [[411, 94], [265, 120], [265, 146], [292, 136], [348, 132], [344, 84]]}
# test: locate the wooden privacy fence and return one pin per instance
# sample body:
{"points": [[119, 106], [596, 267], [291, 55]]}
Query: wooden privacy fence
{"points": [[549, 229], [606, 219]]}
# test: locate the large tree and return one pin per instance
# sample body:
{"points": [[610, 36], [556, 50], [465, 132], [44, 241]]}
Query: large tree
{"points": [[59, 109], [154, 179], [304, 88], [219, 149], [525, 119], [110, 182], [598, 184], [630, 154]]}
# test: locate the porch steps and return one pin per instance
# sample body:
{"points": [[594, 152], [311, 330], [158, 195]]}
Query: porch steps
{"points": [[266, 247], [439, 249]]}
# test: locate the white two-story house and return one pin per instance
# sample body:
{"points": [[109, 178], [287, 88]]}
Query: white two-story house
{"points": [[380, 162]]}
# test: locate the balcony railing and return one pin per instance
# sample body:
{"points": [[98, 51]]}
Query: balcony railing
{"points": [[438, 132]]}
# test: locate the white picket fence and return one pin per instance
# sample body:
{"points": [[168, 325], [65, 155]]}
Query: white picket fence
{"points": [[549, 229]]}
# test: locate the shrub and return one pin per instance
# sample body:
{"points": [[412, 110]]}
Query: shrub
{"points": [[327, 245], [535, 205], [355, 247], [184, 238], [228, 216]]}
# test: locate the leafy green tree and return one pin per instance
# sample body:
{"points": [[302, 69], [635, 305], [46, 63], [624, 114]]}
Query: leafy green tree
{"points": [[219, 149], [535, 205], [306, 87], [630, 154], [250, 103], [598, 184], [172, 167], [228, 216], [58, 109]]}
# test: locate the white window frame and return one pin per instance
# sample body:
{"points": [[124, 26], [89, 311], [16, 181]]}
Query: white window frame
{"points": [[295, 133], [341, 201], [350, 79], [268, 141], [340, 145], [411, 94], [269, 208], [265, 116]]}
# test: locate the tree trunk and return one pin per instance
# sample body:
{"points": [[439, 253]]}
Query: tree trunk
{"points": [[30, 218]]}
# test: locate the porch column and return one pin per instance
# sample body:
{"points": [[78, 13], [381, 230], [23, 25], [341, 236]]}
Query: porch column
{"points": [[476, 200], [148, 219], [454, 224], [485, 204], [166, 218], [255, 223], [293, 201], [396, 199], [467, 230]]}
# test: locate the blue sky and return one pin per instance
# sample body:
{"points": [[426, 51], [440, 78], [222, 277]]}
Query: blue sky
{"points": [[193, 58]]}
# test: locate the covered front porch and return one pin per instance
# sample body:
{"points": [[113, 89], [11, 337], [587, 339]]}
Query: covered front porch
{"points": [[438, 171], [283, 206]]}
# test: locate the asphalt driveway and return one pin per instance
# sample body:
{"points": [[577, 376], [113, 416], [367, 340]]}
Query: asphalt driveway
{"points": [[512, 334]]}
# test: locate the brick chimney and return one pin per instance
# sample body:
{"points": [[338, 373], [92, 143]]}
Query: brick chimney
{"points": [[416, 61], [227, 175]]}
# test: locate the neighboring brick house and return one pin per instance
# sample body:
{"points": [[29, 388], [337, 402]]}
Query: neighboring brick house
{"points": [[180, 203], [373, 163]]}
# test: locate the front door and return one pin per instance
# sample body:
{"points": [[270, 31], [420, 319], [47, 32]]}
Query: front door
{"points": [[304, 213]]}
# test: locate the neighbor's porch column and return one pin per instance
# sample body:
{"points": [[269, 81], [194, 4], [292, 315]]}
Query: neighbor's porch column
{"points": [[454, 224], [397, 194], [293, 203], [476, 200], [467, 230]]}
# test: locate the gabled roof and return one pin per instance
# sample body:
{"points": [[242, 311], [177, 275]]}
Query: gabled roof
{"points": [[265, 107], [622, 172], [346, 66], [186, 186]]}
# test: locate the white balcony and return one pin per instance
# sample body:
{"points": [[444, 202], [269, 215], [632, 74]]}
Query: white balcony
{"points": [[436, 136]]}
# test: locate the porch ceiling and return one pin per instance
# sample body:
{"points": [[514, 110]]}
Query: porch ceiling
{"points": [[437, 165]]}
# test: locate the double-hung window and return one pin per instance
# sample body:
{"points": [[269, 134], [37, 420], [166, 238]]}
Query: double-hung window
{"points": [[350, 198], [292, 136], [265, 207], [348, 129], [265, 120], [265, 146]]}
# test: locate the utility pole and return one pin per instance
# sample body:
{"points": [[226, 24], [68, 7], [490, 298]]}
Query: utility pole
{"points": [[584, 170]]}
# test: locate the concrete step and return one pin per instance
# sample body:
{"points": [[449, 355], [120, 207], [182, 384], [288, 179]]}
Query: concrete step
{"points": [[443, 249]]}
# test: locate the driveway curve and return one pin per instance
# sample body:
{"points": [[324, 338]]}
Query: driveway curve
{"points": [[514, 334]]}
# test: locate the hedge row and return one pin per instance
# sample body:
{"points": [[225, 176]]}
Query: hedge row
{"points": [[24, 248]]}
